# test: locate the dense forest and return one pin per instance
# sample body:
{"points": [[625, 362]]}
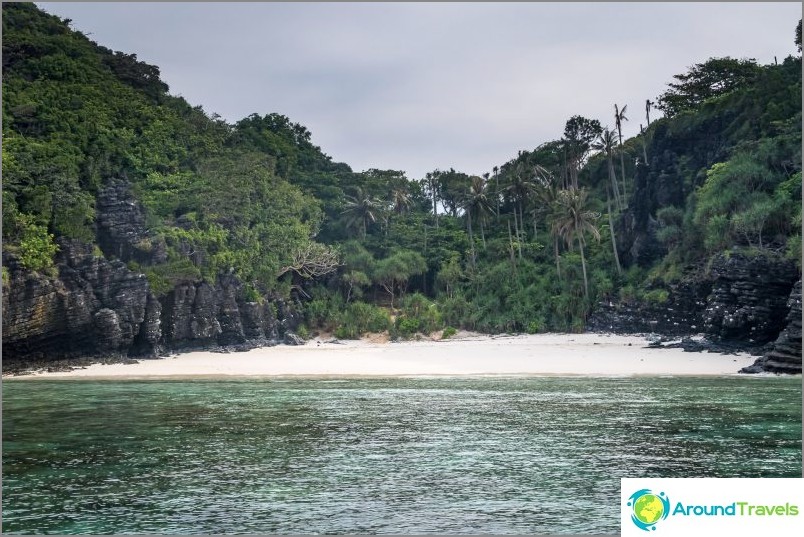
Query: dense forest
{"points": [[533, 245]]}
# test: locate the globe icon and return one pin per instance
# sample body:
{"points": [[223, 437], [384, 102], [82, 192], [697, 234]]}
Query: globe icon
{"points": [[648, 508]]}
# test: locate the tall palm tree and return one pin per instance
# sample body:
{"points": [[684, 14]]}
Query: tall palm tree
{"points": [[606, 142], [477, 206], [362, 209], [619, 117], [497, 191], [400, 200], [546, 194], [521, 187], [648, 105], [572, 221]]}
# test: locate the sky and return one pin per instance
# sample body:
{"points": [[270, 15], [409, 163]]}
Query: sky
{"points": [[424, 86]]}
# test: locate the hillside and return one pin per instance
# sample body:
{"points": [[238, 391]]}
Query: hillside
{"points": [[135, 223]]}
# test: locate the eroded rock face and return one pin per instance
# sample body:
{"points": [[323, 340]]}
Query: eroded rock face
{"points": [[93, 306], [740, 303], [680, 315], [749, 298], [121, 230], [785, 354]]}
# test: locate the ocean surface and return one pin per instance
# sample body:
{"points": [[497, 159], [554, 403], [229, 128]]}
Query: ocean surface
{"points": [[417, 455]]}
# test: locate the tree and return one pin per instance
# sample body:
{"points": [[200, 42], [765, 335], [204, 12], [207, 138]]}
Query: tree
{"points": [[476, 205], [798, 36], [313, 260], [579, 133], [703, 81], [362, 210], [619, 117], [606, 142], [572, 220], [393, 272]]}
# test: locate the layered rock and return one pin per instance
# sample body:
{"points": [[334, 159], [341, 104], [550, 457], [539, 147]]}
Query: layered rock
{"points": [[679, 315], [785, 354], [748, 302], [121, 230], [93, 307], [100, 308], [741, 303], [96, 306]]}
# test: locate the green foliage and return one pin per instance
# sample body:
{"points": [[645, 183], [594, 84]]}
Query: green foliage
{"points": [[448, 332], [359, 318], [418, 314], [6, 277], [36, 245], [656, 296], [703, 81], [502, 252]]}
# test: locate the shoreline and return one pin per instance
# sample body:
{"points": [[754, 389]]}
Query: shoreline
{"points": [[468, 355]]}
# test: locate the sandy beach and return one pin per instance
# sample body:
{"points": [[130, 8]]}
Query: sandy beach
{"points": [[530, 355]]}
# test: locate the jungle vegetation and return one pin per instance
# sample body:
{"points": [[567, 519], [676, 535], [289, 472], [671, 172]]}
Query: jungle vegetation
{"points": [[532, 245]]}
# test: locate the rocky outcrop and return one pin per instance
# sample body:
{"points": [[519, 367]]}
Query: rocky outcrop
{"points": [[680, 314], [741, 303], [121, 230], [785, 354], [99, 308], [94, 306], [748, 302]]}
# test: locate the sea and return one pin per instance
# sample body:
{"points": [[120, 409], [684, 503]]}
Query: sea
{"points": [[497, 455]]}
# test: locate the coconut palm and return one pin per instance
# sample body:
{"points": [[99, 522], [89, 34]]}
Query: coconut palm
{"points": [[572, 221], [619, 117], [606, 142], [521, 187], [400, 200], [477, 207], [497, 191], [361, 209]]}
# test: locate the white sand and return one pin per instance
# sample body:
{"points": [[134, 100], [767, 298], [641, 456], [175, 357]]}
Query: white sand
{"points": [[534, 355]]}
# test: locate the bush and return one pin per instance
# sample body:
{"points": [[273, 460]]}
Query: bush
{"points": [[656, 296], [448, 332], [360, 318], [37, 247], [418, 314]]}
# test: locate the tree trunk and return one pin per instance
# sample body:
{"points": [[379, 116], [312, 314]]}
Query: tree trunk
{"points": [[613, 240], [511, 248], [471, 236], [558, 259], [622, 170], [613, 180], [497, 194], [483, 235], [583, 266]]}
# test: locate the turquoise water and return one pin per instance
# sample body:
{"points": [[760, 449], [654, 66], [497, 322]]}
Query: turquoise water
{"points": [[483, 455]]}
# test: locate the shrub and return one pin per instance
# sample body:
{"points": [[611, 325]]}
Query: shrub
{"points": [[448, 332]]}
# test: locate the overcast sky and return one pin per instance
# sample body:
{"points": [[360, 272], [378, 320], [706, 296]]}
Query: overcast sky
{"points": [[420, 86]]}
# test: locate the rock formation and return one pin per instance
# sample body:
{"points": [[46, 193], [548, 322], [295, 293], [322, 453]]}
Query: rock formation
{"points": [[95, 306]]}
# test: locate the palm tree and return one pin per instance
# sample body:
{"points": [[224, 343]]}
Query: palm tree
{"points": [[497, 191], [521, 187], [476, 205], [572, 220], [606, 142], [400, 200], [619, 117], [648, 104], [546, 194], [361, 209]]}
